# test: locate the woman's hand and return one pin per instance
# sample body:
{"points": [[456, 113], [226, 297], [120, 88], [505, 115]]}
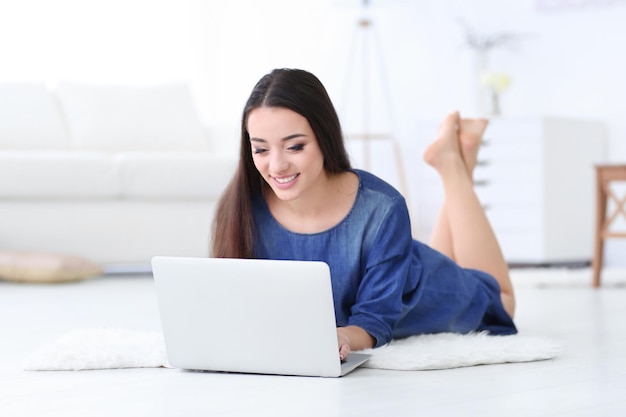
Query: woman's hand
{"points": [[351, 338], [344, 344]]}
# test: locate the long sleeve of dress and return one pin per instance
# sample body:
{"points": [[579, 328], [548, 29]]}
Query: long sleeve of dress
{"points": [[390, 275]]}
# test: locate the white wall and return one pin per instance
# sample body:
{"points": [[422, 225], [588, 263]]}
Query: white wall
{"points": [[569, 61], [128, 41]]}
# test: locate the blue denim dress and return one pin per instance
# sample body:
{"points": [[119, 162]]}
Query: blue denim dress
{"points": [[383, 280]]}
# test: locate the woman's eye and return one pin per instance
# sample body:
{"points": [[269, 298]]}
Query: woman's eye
{"points": [[258, 151], [296, 148]]}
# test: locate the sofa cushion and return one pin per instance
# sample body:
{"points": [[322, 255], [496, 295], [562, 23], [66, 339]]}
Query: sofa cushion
{"points": [[116, 118], [174, 174], [35, 174], [30, 118]]}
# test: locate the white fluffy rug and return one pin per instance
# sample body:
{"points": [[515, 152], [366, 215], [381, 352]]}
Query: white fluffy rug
{"points": [[451, 350], [100, 348], [115, 348]]}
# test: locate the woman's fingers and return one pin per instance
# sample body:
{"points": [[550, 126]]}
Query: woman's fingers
{"points": [[344, 345], [344, 351]]}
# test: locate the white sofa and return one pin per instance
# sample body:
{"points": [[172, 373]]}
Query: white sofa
{"points": [[113, 173]]}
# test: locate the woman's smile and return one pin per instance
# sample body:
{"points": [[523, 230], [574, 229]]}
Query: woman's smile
{"points": [[286, 181]]}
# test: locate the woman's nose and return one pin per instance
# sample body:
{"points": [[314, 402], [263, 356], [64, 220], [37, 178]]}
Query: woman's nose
{"points": [[278, 162]]}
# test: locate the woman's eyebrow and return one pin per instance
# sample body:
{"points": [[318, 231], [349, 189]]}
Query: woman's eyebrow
{"points": [[286, 138], [294, 136]]}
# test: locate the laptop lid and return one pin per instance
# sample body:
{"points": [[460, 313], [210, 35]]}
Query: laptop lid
{"points": [[244, 315]]}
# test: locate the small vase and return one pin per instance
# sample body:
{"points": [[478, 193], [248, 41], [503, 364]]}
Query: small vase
{"points": [[495, 109], [482, 99]]}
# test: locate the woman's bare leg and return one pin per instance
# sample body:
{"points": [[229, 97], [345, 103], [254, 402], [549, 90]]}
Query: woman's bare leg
{"points": [[472, 240], [470, 136]]}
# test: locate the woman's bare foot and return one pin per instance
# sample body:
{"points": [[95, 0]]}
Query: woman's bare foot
{"points": [[470, 136], [446, 148]]}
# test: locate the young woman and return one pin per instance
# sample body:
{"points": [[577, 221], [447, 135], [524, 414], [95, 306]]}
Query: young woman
{"points": [[294, 196]]}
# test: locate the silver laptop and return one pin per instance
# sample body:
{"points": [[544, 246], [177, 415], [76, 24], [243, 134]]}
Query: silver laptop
{"points": [[252, 316]]}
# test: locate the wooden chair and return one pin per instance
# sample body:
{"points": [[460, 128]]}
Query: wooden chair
{"points": [[605, 174]]}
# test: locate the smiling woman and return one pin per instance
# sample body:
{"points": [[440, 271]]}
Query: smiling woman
{"points": [[294, 196]]}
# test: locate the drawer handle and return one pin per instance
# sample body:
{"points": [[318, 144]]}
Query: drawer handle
{"points": [[481, 183]]}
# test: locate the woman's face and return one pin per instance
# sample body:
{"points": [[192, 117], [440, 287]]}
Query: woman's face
{"points": [[285, 152]]}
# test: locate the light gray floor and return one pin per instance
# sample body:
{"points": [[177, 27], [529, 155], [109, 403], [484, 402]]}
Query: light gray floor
{"points": [[587, 379]]}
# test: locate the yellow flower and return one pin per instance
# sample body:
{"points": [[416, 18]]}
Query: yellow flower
{"points": [[497, 81]]}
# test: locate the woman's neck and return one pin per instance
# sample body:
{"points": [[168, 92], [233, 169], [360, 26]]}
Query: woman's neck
{"points": [[321, 208]]}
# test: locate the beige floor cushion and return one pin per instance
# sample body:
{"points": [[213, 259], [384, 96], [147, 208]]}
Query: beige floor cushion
{"points": [[35, 267]]}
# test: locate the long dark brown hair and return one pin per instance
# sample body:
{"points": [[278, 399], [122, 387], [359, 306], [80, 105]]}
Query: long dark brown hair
{"points": [[296, 90]]}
